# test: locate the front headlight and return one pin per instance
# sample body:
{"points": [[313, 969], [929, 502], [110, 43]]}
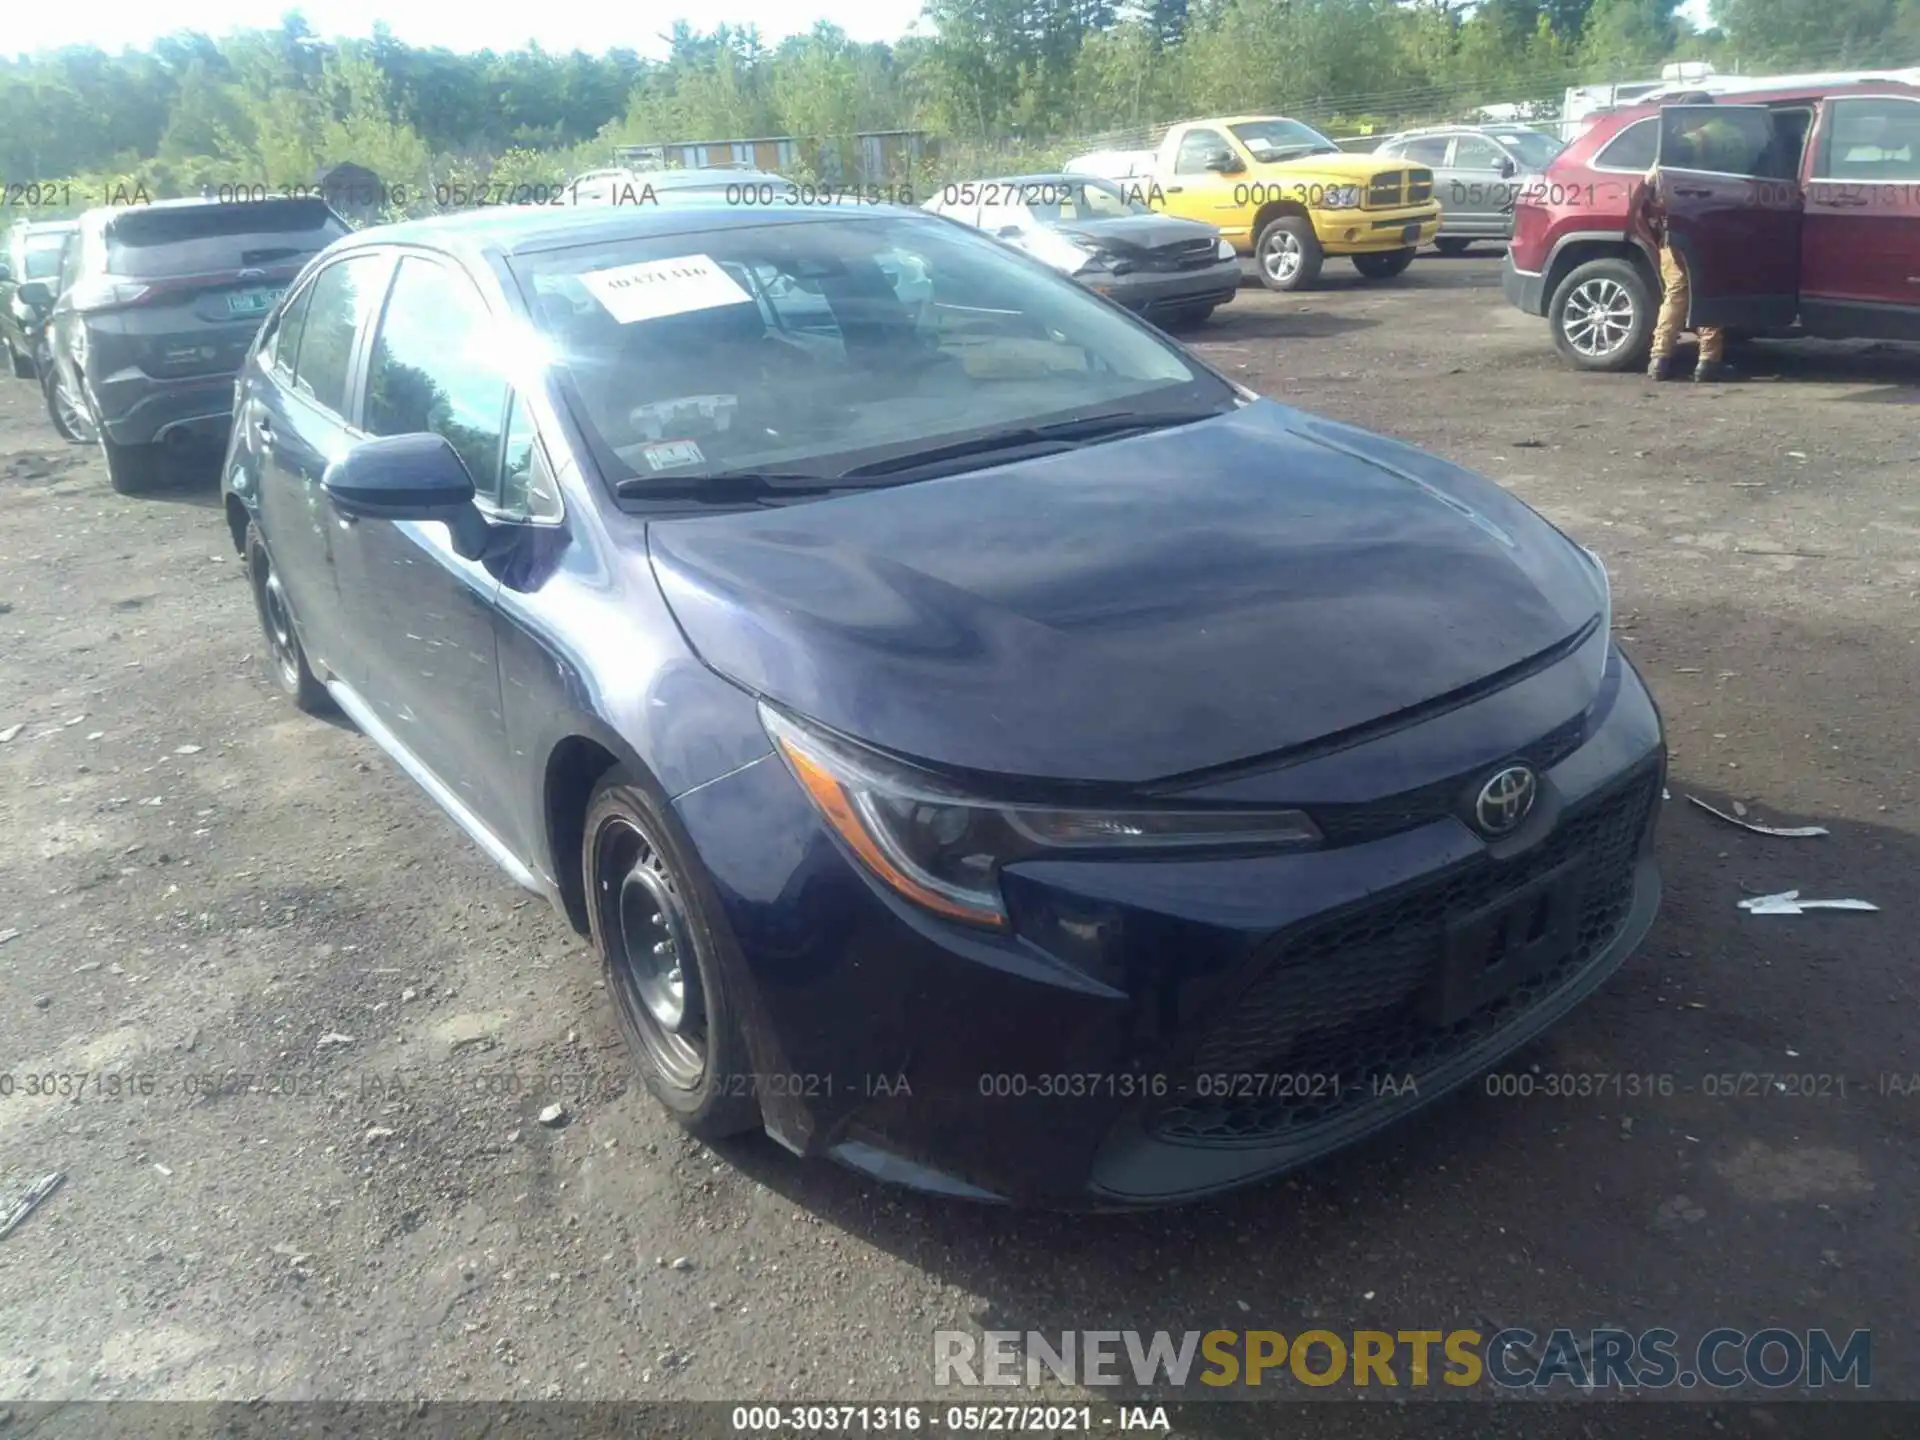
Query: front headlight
{"points": [[943, 849], [1225, 250], [1605, 583]]}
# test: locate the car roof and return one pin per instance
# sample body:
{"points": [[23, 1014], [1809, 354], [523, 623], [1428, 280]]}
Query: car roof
{"points": [[508, 231], [101, 215], [44, 227], [1839, 90], [1246, 120]]}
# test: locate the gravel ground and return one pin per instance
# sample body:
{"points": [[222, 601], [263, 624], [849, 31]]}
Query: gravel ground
{"points": [[320, 1171]]}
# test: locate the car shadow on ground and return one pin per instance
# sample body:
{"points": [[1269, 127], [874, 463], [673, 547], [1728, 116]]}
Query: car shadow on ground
{"points": [[1487, 1210], [1263, 324], [1895, 368]]}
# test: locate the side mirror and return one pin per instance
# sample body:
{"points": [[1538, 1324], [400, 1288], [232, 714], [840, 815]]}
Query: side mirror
{"points": [[1225, 162], [409, 477], [1008, 232], [1507, 168], [35, 293]]}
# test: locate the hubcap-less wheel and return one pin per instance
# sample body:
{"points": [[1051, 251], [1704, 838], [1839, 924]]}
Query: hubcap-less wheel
{"points": [[277, 621], [1281, 255], [74, 420], [1598, 317], [656, 977]]}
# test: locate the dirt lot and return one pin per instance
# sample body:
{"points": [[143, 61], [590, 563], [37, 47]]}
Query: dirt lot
{"points": [[204, 882]]}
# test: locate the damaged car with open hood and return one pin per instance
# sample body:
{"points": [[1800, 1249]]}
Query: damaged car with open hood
{"points": [[983, 745]]}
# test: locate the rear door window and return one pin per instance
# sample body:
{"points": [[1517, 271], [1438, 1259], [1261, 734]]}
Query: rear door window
{"points": [[343, 300], [1632, 149], [284, 343], [152, 242], [1429, 150], [42, 257]]}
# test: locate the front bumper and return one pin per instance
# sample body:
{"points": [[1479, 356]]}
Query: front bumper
{"points": [[1523, 290], [1154, 292], [1077, 1062], [1366, 232]]}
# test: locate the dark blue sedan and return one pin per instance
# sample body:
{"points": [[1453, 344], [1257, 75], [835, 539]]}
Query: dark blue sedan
{"points": [[985, 745]]}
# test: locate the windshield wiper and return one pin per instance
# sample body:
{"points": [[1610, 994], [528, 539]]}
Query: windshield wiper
{"points": [[1066, 434], [727, 487]]}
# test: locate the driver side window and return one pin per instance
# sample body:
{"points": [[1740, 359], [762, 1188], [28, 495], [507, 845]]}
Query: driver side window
{"points": [[1197, 149]]}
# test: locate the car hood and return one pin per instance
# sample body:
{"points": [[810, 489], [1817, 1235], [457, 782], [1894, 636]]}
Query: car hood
{"points": [[1135, 609], [1138, 233], [1340, 167]]}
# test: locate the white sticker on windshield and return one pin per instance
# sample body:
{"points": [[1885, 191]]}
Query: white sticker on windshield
{"points": [[672, 455], [655, 288]]}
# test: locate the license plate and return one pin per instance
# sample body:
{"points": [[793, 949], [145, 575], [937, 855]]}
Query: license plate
{"points": [[253, 302], [1489, 952], [1410, 233]]}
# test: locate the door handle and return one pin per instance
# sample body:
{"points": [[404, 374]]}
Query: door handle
{"points": [[1693, 194], [1175, 190]]}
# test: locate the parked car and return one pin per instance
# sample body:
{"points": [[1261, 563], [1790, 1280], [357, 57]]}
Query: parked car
{"points": [[1112, 164], [30, 258], [1102, 234], [979, 748], [618, 185], [158, 305], [1816, 234], [1285, 194], [1477, 172]]}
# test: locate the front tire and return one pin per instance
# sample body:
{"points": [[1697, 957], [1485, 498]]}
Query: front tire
{"points": [[1288, 254], [1451, 245], [654, 927], [286, 660], [1602, 316], [1187, 319], [1384, 265]]}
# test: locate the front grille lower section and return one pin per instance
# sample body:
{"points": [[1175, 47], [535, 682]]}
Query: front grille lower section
{"points": [[1187, 255], [1339, 1009], [1375, 819]]}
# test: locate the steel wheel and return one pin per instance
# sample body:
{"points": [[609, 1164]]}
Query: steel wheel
{"points": [[277, 621], [653, 971], [1598, 317]]}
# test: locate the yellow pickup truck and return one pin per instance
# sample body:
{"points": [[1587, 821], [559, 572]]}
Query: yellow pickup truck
{"points": [[1285, 194]]}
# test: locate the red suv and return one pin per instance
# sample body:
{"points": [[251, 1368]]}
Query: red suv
{"points": [[1816, 233]]}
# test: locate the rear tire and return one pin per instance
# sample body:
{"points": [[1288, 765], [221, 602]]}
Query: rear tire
{"points": [[22, 364], [1451, 245], [1602, 316], [286, 660], [1384, 265], [654, 926], [69, 418], [1288, 255], [131, 469]]}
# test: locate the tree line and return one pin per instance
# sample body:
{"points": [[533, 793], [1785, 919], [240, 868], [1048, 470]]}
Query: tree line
{"points": [[275, 105]]}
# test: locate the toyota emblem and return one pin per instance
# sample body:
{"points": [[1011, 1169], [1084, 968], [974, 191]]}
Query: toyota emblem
{"points": [[1506, 800]]}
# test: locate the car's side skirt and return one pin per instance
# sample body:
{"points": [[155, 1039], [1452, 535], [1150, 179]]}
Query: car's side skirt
{"points": [[357, 710]]}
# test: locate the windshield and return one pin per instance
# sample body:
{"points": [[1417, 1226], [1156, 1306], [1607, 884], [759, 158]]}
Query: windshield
{"points": [[1276, 139], [1534, 148], [816, 345], [1077, 198], [43, 255]]}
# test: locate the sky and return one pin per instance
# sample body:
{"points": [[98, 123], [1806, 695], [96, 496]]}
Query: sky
{"points": [[470, 26]]}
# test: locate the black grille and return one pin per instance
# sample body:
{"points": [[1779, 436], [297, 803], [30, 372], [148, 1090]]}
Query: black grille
{"points": [[1419, 186], [1341, 1005], [1187, 255], [1353, 824], [1384, 189]]}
